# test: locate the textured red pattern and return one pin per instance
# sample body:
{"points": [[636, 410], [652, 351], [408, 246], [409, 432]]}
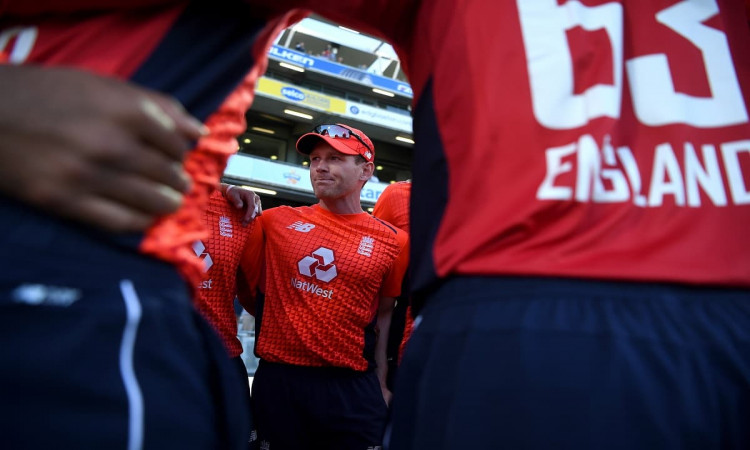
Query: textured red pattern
{"points": [[325, 274], [393, 205], [221, 253]]}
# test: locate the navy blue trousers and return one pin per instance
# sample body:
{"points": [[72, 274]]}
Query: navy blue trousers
{"points": [[102, 347], [565, 364], [330, 408]]}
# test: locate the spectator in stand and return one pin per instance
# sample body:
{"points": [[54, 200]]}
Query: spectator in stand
{"points": [[328, 53], [300, 47]]}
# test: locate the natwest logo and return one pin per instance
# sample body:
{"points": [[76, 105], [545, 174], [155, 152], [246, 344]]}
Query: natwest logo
{"points": [[312, 288], [319, 265], [200, 251]]}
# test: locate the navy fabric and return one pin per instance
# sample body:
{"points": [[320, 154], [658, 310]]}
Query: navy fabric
{"points": [[203, 33], [63, 324], [244, 396], [550, 363], [395, 336], [396, 332], [429, 196], [328, 408], [371, 339], [65, 355]]}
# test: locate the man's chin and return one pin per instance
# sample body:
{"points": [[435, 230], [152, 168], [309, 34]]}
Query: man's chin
{"points": [[320, 192]]}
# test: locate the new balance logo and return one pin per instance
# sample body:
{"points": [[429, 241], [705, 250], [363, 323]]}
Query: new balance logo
{"points": [[301, 226], [225, 226], [365, 246], [319, 265], [200, 252]]}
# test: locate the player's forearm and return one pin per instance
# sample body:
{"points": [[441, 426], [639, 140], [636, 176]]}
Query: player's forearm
{"points": [[385, 312], [381, 356]]}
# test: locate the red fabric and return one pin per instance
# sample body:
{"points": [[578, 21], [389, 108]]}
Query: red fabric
{"points": [[113, 44], [170, 238], [614, 195], [393, 205], [221, 254], [325, 274]]}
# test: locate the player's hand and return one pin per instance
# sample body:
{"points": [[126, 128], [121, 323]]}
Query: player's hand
{"points": [[92, 149], [244, 199], [387, 395]]}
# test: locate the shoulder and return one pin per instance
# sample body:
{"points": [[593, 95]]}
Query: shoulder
{"points": [[399, 188], [386, 226], [218, 204], [286, 216], [390, 232], [281, 212]]}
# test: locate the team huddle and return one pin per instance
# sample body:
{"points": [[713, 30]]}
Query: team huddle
{"points": [[573, 249]]}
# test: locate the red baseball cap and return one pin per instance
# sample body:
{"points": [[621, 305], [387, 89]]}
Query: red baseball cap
{"points": [[345, 139]]}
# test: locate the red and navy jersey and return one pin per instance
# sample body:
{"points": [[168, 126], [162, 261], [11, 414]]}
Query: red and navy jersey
{"points": [[598, 139], [222, 253], [324, 276], [207, 56]]}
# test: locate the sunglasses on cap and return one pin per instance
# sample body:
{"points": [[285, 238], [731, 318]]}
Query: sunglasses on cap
{"points": [[338, 131]]}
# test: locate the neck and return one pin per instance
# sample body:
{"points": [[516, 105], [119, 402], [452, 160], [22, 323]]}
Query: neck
{"points": [[346, 205]]}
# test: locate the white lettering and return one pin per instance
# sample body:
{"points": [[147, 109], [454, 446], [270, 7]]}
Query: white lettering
{"points": [[544, 24], [620, 190], [291, 56], [25, 38], [225, 226], [655, 99], [708, 177], [666, 177], [311, 288], [591, 177], [606, 175], [730, 152], [588, 167], [634, 175], [547, 190], [551, 65]]}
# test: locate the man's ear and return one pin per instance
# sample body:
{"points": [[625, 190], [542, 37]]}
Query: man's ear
{"points": [[368, 169]]}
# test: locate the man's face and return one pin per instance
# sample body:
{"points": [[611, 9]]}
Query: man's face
{"points": [[333, 174]]}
